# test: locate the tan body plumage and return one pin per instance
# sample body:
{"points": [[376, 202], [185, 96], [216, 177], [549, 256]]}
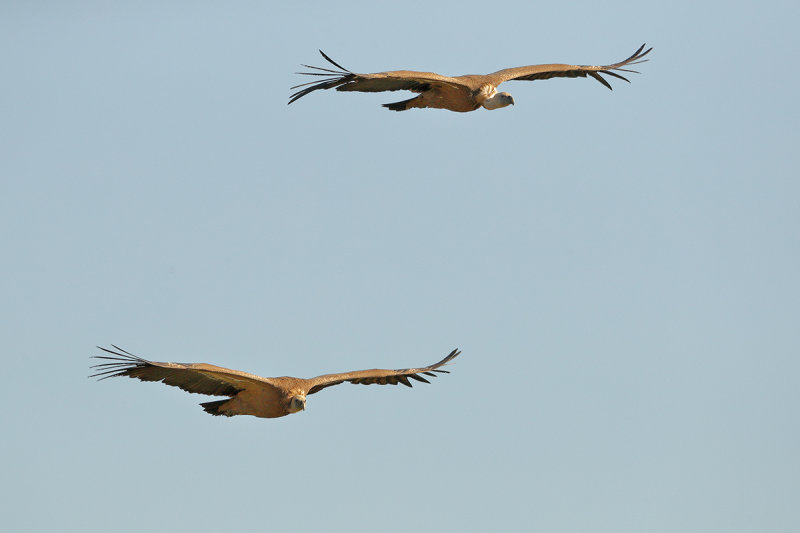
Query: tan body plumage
{"points": [[459, 93], [249, 394]]}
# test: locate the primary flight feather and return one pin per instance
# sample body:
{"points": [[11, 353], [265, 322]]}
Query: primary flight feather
{"points": [[460, 93], [249, 394]]}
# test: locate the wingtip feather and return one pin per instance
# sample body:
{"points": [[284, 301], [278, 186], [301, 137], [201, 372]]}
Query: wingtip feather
{"points": [[332, 61]]}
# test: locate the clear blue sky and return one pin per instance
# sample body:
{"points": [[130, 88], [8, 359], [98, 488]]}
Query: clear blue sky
{"points": [[621, 269]]}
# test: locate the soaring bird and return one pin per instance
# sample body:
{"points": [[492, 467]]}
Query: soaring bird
{"points": [[460, 93], [248, 394]]}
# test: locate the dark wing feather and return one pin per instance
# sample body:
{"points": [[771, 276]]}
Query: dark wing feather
{"points": [[380, 376], [344, 80], [197, 378], [544, 72]]}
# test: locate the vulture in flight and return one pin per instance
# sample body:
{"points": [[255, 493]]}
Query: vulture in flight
{"points": [[460, 93], [248, 394]]}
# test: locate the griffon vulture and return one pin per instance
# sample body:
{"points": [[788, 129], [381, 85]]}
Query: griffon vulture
{"points": [[461, 93], [249, 394]]}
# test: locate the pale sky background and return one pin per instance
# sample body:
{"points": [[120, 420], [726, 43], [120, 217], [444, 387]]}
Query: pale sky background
{"points": [[621, 269]]}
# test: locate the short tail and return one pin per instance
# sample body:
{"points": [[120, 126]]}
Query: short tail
{"points": [[402, 106], [213, 408]]}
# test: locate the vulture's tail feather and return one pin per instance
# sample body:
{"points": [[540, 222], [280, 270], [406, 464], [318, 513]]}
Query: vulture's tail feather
{"points": [[213, 407], [401, 106]]}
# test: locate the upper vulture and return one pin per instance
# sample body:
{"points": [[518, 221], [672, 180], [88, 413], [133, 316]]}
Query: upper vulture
{"points": [[460, 93]]}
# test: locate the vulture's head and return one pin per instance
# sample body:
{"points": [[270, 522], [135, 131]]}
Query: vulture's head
{"points": [[498, 100], [297, 403]]}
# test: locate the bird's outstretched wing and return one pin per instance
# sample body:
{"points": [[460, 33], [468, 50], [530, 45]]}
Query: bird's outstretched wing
{"points": [[544, 72], [344, 80], [197, 378], [380, 376]]}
